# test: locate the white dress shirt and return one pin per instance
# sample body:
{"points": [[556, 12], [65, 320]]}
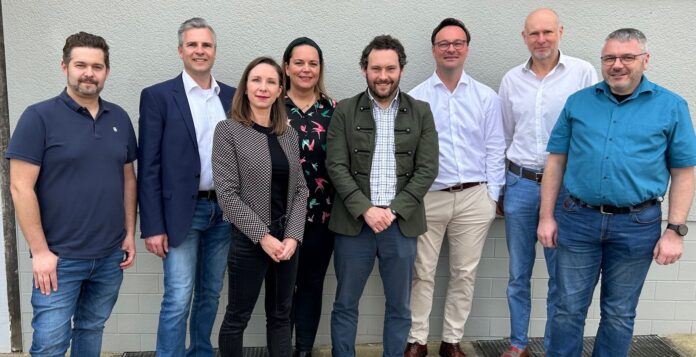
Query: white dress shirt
{"points": [[531, 106], [207, 111], [470, 132]]}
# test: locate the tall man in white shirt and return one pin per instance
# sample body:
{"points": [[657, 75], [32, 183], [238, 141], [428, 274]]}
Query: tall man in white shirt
{"points": [[461, 202], [532, 96], [180, 218]]}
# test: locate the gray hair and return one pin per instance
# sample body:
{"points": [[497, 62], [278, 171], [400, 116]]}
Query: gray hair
{"points": [[195, 23], [628, 34]]}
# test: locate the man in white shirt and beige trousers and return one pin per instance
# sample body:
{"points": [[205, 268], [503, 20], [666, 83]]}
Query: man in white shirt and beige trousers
{"points": [[462, 200], [532, 96]]}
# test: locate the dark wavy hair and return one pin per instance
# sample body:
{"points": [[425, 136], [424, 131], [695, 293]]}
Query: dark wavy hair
{"points": [[384, 42]]}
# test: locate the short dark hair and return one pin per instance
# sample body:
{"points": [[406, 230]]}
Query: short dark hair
{"points": [[241, 108], [383, 42], [84, 39], [450, 21]]}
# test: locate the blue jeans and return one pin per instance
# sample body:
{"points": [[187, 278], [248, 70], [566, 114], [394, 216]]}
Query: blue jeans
{"points": [[620, 248], [354, 259], [194, 268], [87, 292], [521, 221]]}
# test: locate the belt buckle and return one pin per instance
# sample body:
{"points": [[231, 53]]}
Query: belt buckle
{"points": [[601, 210], [538, 176]]}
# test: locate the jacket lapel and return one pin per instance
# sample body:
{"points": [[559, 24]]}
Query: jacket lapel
{"points": [[182, 103]]}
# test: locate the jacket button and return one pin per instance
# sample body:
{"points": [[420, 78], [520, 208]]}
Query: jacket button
{"points": [[197, 175], [410, 152], [355, 150], [355, 172], [408, 130], [357, 128]]}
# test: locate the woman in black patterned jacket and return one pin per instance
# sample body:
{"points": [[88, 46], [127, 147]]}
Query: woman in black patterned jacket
{"points": [[262, 192]]}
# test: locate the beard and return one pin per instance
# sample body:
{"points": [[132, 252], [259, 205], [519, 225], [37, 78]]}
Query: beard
{"points": [[81, 88], [383, 94]]}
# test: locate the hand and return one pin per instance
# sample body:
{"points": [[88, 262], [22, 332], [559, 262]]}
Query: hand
{"points": [[128, 247], [272, 246], [499, 206], [669, 248], [158, 245], [378, 218], [547, 232], [43, 264], [289, 247]]}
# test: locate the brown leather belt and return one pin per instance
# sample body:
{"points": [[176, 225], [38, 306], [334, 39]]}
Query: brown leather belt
{"points": [[525, 173], [462, 186]]}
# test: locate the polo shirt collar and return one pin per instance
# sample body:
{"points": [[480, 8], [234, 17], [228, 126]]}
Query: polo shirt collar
{"points": [[645, 86], [104, 106], [190, 84]]}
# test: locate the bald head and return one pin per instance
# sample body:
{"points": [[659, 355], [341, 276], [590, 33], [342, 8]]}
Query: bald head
{"points": [[542, 33]]}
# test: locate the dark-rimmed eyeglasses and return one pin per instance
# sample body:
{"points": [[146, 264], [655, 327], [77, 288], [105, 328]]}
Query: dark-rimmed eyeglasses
{"points": [[445, 45], [625, 59]]}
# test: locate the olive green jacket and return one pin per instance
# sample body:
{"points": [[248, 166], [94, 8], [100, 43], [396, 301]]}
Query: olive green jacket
{"points": [[350, 146]]}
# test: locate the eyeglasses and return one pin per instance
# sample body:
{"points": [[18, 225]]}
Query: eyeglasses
{"points": [[445, 45], [625, 59]]}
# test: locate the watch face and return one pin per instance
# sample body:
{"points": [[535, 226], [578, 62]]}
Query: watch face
{"points": [[682, 229]]}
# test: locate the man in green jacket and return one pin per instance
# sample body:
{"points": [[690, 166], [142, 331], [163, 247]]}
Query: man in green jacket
{"points": [[382, 157]]}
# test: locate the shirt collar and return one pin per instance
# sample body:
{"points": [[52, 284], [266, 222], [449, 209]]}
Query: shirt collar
{"points": [[72, 104], [189, 83], [645, 86], [562, 61], [394, 103], [436, 81]]}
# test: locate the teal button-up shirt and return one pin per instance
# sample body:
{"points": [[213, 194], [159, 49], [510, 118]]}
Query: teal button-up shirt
{"points": [[620, 153]]}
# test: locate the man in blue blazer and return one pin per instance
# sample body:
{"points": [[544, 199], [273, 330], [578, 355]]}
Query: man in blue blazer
{"points": [[180, 219]]}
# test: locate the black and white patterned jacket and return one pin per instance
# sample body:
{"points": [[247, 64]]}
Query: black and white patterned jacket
{"points": [[242, 176]]}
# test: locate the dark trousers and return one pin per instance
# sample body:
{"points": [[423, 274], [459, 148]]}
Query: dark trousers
{"points": [[354, 259], [248, 266], [315, 255]]}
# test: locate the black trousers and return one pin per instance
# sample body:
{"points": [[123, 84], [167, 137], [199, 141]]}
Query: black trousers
{"points": [[315, 255], [248, 266]]}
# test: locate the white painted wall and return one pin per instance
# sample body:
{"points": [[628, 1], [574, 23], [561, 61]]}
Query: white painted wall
{"points": [[142, 35]]}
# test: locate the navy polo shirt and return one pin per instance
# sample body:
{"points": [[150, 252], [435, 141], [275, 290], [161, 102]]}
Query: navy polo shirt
{"points": [[80, 184], [620, 153]]}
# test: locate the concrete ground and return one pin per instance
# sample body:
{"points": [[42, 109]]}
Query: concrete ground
{"points": [[686, 343]]}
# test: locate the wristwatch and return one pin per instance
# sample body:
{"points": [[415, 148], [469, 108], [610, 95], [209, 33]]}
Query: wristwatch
{"points": [[681, 229]]}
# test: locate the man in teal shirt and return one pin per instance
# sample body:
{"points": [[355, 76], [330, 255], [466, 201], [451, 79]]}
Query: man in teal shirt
{"points": [[615, 146]]}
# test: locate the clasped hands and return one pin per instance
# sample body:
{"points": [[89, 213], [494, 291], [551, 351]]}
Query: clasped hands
{"points": [[379, 218], [276, 249]]}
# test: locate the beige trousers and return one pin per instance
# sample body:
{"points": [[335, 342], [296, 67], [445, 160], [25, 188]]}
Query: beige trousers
{"points": [[465, 217]]}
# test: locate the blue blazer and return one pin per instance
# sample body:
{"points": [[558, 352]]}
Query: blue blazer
{"points": [[168, 163]]}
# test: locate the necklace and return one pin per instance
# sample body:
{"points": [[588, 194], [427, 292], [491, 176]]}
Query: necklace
{"points": [[304, 107]]}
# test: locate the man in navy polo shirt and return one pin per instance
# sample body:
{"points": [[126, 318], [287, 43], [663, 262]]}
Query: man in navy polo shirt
{"points": [[73, 187], [615, 147]]}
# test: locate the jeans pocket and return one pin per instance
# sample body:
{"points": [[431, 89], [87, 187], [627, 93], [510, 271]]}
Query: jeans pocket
{"points": [[648, 215], [511, 179], [569, 205]]}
